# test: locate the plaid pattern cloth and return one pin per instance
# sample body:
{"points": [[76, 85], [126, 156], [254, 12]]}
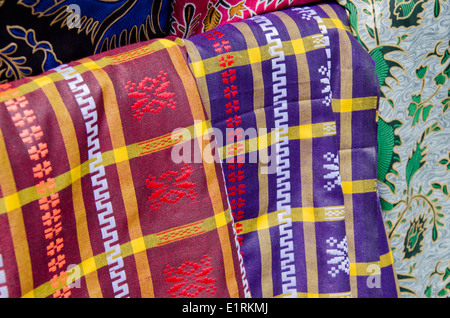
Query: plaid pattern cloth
{"points": [[91, 202], [294, 98]]}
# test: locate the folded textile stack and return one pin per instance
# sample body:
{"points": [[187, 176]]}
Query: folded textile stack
{"points": [[238, 162]]}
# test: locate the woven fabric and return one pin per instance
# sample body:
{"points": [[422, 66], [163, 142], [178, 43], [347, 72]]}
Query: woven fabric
{"points": [[294, 97], [409, 41], [91, 202], [38, 35], [189, 17]]}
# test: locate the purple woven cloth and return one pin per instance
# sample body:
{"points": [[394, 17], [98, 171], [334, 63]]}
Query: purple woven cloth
{"points": [[292, 99]]}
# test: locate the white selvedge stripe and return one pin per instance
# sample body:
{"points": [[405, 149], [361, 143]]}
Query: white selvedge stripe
{"points": [[98, 179], [3, 287], [288, 279]]}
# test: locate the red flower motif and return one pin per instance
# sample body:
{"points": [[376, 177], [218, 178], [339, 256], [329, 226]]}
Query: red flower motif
{"points": [[151, 94], [170, 187], [190, 278]]}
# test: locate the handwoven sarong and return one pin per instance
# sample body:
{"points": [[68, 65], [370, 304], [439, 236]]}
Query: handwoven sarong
{"points": [[91, 202], [293, 98]]}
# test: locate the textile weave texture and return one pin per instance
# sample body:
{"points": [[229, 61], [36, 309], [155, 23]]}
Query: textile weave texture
{"points": [[409, 41], [91, 202], [295, 97]]}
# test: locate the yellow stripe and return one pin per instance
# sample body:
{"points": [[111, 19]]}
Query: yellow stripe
{"points": [[346, 105], [124, 172], [306, 214], [359, 186], [254, 55], [73, 154], [346, 67], [138, 245], [194, 55], [369, 268], [202, 67], [28, 195], [15, 220], [198, 69], [260, 142], [38, 81], [210, 170]]}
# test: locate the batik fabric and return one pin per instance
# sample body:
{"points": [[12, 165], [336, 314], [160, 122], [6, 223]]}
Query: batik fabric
{"points": [[38, 35]]}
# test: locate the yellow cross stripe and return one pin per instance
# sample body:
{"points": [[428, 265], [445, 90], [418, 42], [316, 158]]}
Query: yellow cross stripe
{"points": [[262, 222], [198, 69], [88, 266], [266, 139], [28, 195], [305, 131], [306, 214], [220, 219], [167, 43], [354, 104], [298, 46], [209, 65], [12, 202], [120, 154], [371, 268], [254, 55], [359, 186], [201, 128], [138, 245], [75, 173], [338, 23], [130, 248], [40, 81], [91, 65], [31, 294]]}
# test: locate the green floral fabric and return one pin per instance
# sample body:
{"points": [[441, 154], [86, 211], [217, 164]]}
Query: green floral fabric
{"points": [[409, 43]]}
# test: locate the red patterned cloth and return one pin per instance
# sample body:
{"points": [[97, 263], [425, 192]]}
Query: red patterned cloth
{"points": [[193, 17], [92, 203]]}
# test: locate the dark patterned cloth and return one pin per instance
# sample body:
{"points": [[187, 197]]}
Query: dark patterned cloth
{"points": [[37, 35], [189, 17]]}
